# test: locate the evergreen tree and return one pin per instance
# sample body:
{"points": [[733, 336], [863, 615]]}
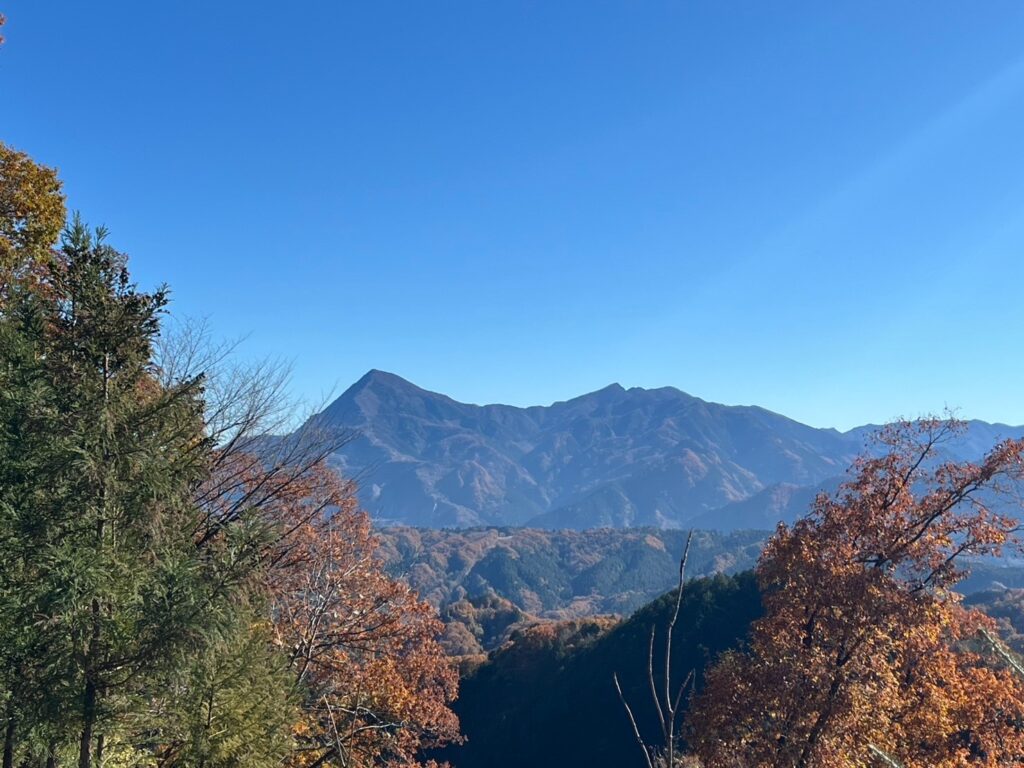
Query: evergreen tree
{"points": [[236, 702], [127, 580], [31, 453], [150, 541]]}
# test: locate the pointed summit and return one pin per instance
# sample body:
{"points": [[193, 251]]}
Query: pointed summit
{"points": [[381, 391], [364, 394], [382, 383], [377, 378]]}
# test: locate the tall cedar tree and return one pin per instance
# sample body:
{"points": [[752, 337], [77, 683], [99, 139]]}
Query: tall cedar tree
{"points": [[130, 587], [31, 216], [177, 589], [112, 621], [864, 647]]}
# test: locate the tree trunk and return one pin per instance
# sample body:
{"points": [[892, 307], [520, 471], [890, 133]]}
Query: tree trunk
{"points": [[88, 720], [820, 723], [9, 733]]}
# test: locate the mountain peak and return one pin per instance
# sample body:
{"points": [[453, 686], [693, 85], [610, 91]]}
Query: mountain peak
{"points": [[376, 380], [615, 457], [374, 385], [612, 390], [377, 377]]}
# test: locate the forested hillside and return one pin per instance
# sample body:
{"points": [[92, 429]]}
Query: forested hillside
{"points": [[488, 580], [547, 697]]}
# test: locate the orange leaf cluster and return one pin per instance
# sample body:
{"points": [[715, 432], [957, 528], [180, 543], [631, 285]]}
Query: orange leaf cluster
{"points": [[864, 646], [374, 681]]}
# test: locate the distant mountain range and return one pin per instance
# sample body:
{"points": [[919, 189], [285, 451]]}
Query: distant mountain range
{"points": [[612, 458]]}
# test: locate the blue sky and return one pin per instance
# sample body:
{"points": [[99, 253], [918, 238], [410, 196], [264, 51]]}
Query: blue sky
{"points": [[814, 207]]}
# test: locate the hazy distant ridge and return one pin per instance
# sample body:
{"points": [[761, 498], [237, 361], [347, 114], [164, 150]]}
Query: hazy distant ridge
{"points": [[614, 458]]}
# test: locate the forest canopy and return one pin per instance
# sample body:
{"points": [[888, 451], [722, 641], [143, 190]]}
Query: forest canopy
{"points": [[177, 590]]}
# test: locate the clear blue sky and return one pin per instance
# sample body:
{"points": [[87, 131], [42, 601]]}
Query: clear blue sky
{"points": [[815, 207]]}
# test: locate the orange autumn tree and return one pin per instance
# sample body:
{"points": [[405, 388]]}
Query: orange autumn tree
{"points": [[865, 656], [369, 680], [374, 683]]}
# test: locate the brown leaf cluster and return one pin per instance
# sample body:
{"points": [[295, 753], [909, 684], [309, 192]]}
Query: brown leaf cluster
{"points": [[31, 209], [374, 680], [863, 643]]}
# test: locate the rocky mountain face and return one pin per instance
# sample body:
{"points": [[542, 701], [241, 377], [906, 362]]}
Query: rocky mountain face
{"points": [[612, 458]]}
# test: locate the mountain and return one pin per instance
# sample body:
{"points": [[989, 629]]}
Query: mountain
{"points": [[612, 458], [486, 581]]}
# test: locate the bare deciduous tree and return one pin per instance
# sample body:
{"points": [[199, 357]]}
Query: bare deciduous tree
{"points": [[260, 441], [666, 704]]}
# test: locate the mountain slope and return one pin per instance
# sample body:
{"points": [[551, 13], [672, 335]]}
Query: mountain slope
{"points": [[557, 574], [546, 697], [615, 457]]}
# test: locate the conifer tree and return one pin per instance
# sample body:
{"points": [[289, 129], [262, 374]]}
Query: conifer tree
{"points": [[31, 212], [237, 703], [152, 541], [127, 580]]}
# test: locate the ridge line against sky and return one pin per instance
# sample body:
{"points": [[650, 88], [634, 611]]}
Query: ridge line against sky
{"points": [[815, 209], [324, 404]]}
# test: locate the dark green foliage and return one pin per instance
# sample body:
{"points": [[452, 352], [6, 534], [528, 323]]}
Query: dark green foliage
{"points": [[129, 587], [635, 570], [36, 454], [110, 610], [547, 697], [238, 701], [538, 576]]}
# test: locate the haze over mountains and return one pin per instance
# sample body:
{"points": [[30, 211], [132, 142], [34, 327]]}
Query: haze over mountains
{"points": [[611, 458]]}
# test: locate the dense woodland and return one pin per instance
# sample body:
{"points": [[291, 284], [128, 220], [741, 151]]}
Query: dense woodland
{"points": [[178, 590], [487, 582], [546, 697], [172, 593]]}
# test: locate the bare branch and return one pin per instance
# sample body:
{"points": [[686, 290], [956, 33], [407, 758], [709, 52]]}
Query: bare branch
{"points": [[632, 721], [667, 710]]}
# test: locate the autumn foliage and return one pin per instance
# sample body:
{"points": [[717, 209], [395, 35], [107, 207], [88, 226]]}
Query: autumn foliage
{"points": [[374, 682], [865, 649], [177, 588], [31, 209]]}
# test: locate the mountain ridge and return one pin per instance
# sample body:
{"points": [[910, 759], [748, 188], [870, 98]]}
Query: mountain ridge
{"points": [[614, 457]]}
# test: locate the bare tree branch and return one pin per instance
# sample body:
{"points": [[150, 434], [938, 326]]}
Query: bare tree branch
{"points": [[632, 721], [667, 709]]}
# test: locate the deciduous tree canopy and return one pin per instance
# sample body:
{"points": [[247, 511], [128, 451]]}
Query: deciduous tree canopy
{"points": [[864, 646]]}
